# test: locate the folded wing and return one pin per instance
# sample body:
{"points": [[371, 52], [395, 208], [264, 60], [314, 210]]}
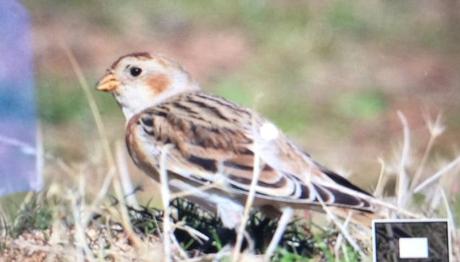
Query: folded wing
{"points": [[215, 140]]}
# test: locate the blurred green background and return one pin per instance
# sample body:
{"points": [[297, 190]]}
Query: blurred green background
{"points": [[331, 74]]}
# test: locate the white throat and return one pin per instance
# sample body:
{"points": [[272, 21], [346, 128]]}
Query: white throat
{"points": [[135, 99]]}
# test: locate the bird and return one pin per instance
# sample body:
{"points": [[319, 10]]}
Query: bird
{"points": [[212, 144]]}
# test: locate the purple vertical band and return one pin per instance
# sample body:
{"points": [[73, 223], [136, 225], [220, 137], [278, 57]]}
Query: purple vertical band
{"points": [[19, 170]]}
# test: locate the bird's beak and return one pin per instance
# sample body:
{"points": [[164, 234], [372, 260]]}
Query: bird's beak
{"points": [[108, 83]]}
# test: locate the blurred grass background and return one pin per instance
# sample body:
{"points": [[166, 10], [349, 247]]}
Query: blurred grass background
{"points": [[331, 74]]}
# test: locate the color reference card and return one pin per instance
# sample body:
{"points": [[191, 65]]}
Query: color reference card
{"points": [[411, 240]]}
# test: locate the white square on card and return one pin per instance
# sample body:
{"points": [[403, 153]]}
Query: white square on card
{"points": [[416, 247]]}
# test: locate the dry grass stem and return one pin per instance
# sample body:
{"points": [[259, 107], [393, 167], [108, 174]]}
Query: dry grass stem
{"points": [[435, 127], [77, 206], [125, 178], [444, 170], [403, 179], [165, 197], [182, 253], [339, 241], [426, 153], [186, 193], [208, 257], [452, 228], [252, 188], [248, 205], [99, 197], [168, 236], [335, 220], [92, 104], [282, 224], [378, 192], [105, 142], [195, 234]]}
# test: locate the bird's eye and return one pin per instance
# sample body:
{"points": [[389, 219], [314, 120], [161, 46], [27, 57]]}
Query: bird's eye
{"points": [[135, 71]]}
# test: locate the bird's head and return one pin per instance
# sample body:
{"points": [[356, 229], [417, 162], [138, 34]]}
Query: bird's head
{"points": [[142, 80]]}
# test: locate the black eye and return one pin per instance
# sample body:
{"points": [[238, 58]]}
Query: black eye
{"points": [[135, 71]]}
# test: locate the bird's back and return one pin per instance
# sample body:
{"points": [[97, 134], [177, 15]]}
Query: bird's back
{"points": [[214, 139]]}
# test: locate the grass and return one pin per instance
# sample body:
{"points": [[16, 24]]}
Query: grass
{"points": [[298, 241], [23, 212], [320, 69]]}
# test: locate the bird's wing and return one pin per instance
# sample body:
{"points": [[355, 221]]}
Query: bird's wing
{"points": [[216, 140]]}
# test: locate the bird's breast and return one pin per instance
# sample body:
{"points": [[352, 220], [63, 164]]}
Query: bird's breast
{"points": [[142, 148]]}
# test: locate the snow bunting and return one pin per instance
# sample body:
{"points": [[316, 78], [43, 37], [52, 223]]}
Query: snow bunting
{"points": [[213, 143]]}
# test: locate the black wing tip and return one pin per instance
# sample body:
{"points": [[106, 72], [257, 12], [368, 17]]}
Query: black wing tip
{"points": [[343, 181]]}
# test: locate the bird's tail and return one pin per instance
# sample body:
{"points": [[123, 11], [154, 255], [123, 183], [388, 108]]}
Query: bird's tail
{"points": [[363, 218]]}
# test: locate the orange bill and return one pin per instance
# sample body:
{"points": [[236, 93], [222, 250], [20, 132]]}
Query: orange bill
{"points": [[108, 83]]}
